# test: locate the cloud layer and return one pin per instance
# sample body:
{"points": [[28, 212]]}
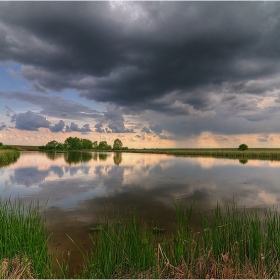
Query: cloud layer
{"points": [[180, 68]]}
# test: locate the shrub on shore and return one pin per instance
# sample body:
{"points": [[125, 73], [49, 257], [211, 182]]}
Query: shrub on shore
{"points": [[243, 147]]}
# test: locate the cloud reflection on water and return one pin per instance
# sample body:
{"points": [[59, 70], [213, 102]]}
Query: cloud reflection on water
{"points": [[77, 177]]}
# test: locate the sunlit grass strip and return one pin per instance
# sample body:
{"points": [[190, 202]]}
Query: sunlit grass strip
{"points": [[23, 242], [8, 156], [251, 153], [230, 243]]}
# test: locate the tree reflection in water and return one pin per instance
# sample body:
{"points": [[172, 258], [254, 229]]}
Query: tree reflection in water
{"points": [[243, 160], [77, 157], [117, 158], [54, 155], [103, 157]]}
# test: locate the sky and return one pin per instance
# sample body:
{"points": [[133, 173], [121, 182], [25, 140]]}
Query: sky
{"points": [[153, 74]]}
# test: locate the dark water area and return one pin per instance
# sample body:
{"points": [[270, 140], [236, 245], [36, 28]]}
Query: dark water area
{"points": [[74, 188]]}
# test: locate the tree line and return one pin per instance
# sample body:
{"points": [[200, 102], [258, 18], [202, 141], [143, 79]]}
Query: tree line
{"points": [[75, 143]]}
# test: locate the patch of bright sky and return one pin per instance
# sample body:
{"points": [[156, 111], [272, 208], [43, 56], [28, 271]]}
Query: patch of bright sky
{"points": [[267, 101], [10, 82]]}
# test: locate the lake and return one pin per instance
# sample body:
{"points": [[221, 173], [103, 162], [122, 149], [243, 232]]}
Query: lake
{"points": [[73, 188]]}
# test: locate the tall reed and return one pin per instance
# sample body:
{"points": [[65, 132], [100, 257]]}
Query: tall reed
{"points": [[230, 243], [8, 156], [23, 238]]}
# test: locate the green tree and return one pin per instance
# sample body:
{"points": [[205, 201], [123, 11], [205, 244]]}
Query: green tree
{"points": [[73, 143], [52, 145], [60, 146], [242, 147], [86, 144], [1, 144], [103, 145], [94, 144], [117, 144]]}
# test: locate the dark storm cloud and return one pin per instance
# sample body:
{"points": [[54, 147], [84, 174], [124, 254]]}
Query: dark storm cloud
{"points": [[33, 121], [135, 52], [219, 125], [2, 126], [52, 105], [58, 127], [145, 129], [180, 59], [114, 121], [156, 128], [99, 127], [9, 111], [30, 121], [85, 129]]}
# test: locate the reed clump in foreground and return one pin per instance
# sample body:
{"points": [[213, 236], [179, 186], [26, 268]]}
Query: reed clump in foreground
{"points": [[23, 242], [8, 156], [230, 243]]}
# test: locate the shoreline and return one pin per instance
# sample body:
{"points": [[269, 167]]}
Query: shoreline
{"points": [[234, 153]]}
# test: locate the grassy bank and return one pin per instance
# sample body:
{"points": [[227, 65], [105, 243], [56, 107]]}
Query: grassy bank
{"points": [[23, 242], [8, 156], [253, 153], [229, 243], [25, 148]]}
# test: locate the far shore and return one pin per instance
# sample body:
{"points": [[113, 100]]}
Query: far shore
{"points": [[251, 153]]}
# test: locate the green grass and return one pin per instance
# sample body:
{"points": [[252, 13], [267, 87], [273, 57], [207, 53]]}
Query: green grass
{"points": [[20, 147], [230, 242], [23, 241], [233, 153], [8, 156], [120, 249], [251, 153]]}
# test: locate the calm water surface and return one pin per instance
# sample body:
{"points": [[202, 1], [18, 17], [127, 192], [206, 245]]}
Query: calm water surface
{"points": [[74, 187]]}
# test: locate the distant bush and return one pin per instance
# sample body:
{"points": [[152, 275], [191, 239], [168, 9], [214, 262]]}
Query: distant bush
{"points": [[242, 147]]}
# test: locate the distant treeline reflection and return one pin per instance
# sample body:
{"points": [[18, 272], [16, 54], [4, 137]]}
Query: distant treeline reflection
{"points": [[79, 157]]}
